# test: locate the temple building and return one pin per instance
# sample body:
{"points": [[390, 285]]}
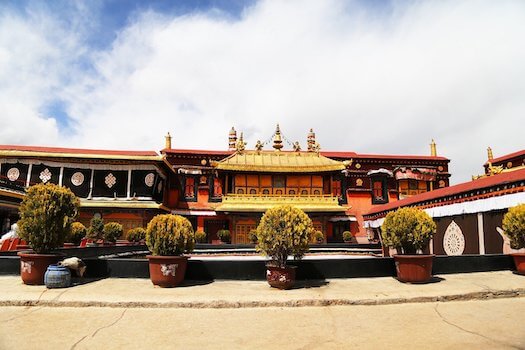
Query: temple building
{"points": [[228, 189], [469, 215]]}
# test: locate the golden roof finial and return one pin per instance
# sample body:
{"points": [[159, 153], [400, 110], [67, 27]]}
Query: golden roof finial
{"points": [[310, 141], [433, 150], [490, 156], [240, 146], [168, 141], [277, 140]]}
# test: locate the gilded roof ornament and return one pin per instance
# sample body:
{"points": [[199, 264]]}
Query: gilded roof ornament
{"points": [[296, 146], [277, 139], [240, 146], [259, 146]]}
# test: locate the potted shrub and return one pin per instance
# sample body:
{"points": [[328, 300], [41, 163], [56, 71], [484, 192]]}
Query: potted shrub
{"points": [[46, 215], [224, 235], [136, 235], [112, 231], [409, 230], [200, 236], [283, 231], [514, 227], [78, 232], [253, 236], [168, 236], [318, 237], [347, 236], [95, 230]]}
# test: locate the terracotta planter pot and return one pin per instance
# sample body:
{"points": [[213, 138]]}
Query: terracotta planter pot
{"points": [[278, 277], [167, 271], [519, 261], [33, 266], [414, 268]]}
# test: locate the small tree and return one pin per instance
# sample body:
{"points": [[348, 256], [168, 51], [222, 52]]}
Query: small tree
{"points": [[514, 226], [318, 237], [408, 230], [169, 235], [253, 236], [284, 230], [200, 236], [46, 215], [78, 232], [112, 231], [224, 235], [96, 229], [347, 236], [136, 234]]}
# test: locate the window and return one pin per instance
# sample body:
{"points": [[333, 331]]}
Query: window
{"points": [[189, 188], [336, 188], [279, 181], [379, 190]]}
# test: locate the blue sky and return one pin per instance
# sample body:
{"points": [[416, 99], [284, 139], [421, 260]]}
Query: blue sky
{"points": [[368, 76]]}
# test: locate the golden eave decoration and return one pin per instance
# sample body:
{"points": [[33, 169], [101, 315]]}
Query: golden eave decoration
{"points": [[250, 203], [281, 162], [123, 204], [126, 157]]}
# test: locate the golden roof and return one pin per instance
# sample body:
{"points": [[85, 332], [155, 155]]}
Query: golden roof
{"points": [[251, 203], [282, 162], [123, 204]]}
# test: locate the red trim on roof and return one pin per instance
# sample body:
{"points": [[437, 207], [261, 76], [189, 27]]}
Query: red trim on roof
{"points": [[337, 154], [487, 182], [173, 151], [507, 157], [75, 150]]}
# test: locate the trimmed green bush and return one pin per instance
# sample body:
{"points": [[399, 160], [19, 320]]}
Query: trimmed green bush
{"points": [[318, 237], [253, 236], [169, 235], [112, 231], [46, 215], [514, 226], [284, 230], [200, 236], [136, 234], [224, 235], [78, 232], [347, 236], [408, 230], [96, 229]]}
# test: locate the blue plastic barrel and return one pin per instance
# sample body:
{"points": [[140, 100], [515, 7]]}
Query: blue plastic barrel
{"points": [[57, 277]]}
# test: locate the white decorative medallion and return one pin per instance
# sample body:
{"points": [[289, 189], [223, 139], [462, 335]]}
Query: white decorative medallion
{"points": [[168, 269], [77, 178], [45, 175], [149, 179], [13, 174], [111, 180], [453, 240]]}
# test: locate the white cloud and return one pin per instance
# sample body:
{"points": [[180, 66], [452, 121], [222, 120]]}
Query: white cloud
{"points": [[366, 82]]}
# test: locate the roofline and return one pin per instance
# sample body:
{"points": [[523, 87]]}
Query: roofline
{"points": [[465, 187], [506, 157], [169, 151]]}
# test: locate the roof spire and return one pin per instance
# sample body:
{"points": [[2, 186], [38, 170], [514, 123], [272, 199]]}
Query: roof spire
{"points": [[490, 156], [168, 141], [310, 140], [277, 139], [433, 150], [232, 138]]}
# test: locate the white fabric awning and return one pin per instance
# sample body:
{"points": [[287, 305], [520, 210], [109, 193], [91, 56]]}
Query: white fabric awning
{"points": [[194, 212], [342, 218]]}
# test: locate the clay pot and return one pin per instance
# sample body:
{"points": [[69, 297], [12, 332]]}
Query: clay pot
{"points": [[414, 268], [519, 261], [57, 277], [282, 278], [167, 271], [33, 266]]}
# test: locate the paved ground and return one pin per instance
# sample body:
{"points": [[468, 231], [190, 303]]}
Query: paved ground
{"points": [[230, 294], [476, 324], [458, 311]]}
